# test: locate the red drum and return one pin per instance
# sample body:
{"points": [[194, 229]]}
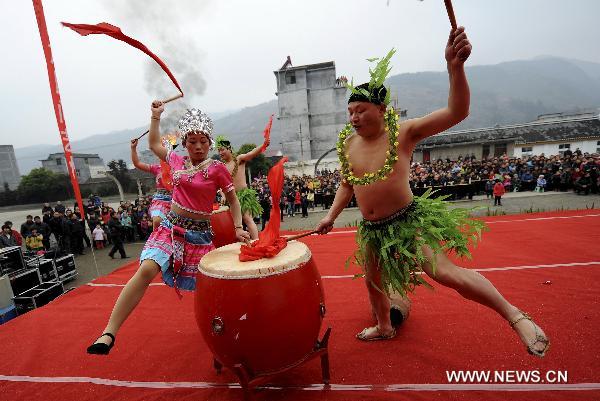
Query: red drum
{"points": [[223, 227], [264, 315]]}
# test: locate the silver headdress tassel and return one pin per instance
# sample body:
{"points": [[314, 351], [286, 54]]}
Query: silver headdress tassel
{"points": [[195, 121]]}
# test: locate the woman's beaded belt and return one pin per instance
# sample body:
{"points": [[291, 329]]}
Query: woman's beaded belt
{"points": [[161, 191], [187, 223], [399, 215]]}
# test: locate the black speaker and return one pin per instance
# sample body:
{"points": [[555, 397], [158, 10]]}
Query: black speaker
{"points": [[11, 260]]}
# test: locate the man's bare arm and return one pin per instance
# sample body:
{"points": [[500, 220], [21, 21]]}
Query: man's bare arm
{"points": [[458, 50]]}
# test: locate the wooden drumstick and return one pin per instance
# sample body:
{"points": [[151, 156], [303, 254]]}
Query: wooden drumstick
{"points": [[173, 98], [294, 237], [450, 11], [142, 135]]}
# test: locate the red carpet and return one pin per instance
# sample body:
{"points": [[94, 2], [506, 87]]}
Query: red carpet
{"points": [[43, 352]]}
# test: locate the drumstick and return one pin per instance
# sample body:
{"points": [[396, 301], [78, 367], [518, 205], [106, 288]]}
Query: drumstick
{"points": [[450, 11], [142, 135], [294, 237], [173, 98]]}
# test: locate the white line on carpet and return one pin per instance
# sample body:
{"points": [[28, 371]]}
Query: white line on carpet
{"points": [[485, 269], [312, 387]]}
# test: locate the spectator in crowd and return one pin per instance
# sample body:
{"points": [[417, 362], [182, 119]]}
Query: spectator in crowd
{"points": [[34, 241], [583, 184], [304, 204], [60, 208], [27, 226], [116, 234], [265, 203], [76, 231], [6, 237], [44, 230], [489, 188], [18, 238], [499, 191], [99, 237], [47, 208], [540, 183], [127, 226]]}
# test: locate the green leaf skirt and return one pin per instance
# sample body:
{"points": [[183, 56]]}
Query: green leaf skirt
{"points": [[249, 202], [397, 242]]}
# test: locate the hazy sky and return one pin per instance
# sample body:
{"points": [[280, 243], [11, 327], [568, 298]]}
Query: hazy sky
{"points": [[225, 51]]}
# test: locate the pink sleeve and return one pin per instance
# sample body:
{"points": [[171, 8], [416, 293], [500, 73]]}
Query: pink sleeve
{"points": [[174, 160], [155, 169], [223, 178]]}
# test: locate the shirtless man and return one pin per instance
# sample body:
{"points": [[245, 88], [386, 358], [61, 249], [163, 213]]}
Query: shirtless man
{"points": [[375, 153], [237, 167]]}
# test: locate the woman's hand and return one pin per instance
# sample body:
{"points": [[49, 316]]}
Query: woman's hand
{"points": [[157, 108]]}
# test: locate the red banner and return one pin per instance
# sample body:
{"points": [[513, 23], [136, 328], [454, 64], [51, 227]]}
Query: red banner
{"points": [[60, 119]]}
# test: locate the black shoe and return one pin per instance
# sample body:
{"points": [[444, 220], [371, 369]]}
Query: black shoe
{"points": [[111, 256], [101, 348], [125, 257]]}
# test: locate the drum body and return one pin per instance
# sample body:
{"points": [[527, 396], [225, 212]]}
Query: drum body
{"points": [[223, 227], [266, 319]]}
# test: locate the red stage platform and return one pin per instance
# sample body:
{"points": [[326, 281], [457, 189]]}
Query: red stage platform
{"points": [[548, 264]]}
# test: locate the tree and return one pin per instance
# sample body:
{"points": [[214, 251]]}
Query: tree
{"points": [[42, 185], [259, 165], [118, 169]]}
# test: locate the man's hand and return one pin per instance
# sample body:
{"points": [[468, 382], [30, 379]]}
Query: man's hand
{"points": [[458, 48], [134, 143], [325, 225], [242, 235]]}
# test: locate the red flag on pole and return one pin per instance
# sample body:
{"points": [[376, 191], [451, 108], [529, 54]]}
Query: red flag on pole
{"points": [[60, 118], [104, 28]]}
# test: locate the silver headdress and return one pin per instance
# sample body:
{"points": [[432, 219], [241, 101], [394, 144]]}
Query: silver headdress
{"points": [[195, 121]]}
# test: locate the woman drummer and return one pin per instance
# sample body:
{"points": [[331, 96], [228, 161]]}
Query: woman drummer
{"points": [[161, 200], [176, 247]]}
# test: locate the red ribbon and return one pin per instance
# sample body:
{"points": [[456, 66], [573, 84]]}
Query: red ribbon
{"points": [[104, 28], [269, 242]]}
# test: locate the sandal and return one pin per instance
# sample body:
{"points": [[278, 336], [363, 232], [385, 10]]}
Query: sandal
{"points": [[380, 336], [101, 348], [539, 338]]}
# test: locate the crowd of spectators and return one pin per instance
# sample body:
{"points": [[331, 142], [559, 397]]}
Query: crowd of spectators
{"points": [[64, 229], [574, 171]]}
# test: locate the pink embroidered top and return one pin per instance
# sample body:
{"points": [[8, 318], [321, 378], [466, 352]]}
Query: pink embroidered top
{"points": [[195, 187], [156, 171]]}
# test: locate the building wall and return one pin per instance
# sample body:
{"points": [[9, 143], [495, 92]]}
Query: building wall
{"points": [[314, 105], [85, 167], [9, 171], [548, 149]]}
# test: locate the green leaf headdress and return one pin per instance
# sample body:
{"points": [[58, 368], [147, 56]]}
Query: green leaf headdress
{"points": [[374, 91], [222, 142]]}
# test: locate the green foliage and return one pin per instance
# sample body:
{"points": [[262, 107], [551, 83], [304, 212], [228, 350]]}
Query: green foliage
{"points": [[42, 185], [118, 168], [378, 76]]}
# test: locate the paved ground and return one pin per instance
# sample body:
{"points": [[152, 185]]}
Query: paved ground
{"points": [[513, 203]]}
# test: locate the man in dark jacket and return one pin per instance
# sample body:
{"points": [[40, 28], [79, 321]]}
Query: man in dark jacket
{"points": [[44, 229], [27, 226], [116, 231]]}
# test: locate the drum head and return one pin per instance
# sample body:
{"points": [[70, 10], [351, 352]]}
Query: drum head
{"points": [[224, 262]]}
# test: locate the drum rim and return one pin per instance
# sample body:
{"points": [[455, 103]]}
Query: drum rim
{"points": [[301, 263]]}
